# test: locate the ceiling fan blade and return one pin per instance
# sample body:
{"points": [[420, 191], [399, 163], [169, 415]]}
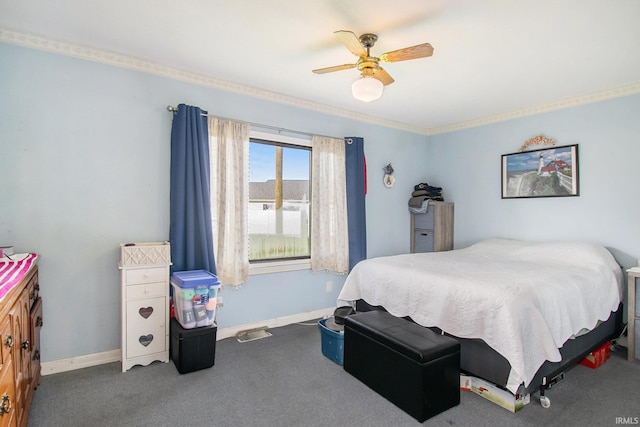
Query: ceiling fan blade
{"points": [[413, 52], [351, 41], [383, 76], [334, 68]]}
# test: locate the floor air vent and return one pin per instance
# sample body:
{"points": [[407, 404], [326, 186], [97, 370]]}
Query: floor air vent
{"points": [[253, 334]]}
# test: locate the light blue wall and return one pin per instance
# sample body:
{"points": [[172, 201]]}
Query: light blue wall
{"points": [[84, 161], [608, 208]]}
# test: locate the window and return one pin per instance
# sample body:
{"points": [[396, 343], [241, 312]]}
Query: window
{"points": [[279, 201]]}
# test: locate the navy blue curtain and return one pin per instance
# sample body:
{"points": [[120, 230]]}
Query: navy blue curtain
{"points": [[190, 204], [356, 190]]}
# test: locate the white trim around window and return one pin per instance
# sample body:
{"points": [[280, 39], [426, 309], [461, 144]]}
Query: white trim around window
{"points": [[279, 266], [280, 138]]}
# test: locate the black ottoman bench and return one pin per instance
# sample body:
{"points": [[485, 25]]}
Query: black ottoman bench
{"points": [[411, 366]]}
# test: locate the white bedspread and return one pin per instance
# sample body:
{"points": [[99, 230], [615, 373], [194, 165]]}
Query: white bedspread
{"points": [[524, 299]]}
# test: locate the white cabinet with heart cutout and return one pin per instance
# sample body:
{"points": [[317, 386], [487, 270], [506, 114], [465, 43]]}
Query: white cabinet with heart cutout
{"points": [[144, 272]]}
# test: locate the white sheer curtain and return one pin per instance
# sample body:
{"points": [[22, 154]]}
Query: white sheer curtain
{"points": [[229, 157], [329, 227]]}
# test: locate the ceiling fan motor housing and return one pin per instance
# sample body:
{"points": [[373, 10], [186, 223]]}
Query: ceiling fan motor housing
{"points": [[368, 63], [368, 40]]}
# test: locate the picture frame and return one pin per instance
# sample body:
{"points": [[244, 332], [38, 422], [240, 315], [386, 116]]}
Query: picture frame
{"points": [[547, 172]]}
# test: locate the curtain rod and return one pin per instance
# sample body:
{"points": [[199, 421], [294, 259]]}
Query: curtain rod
{"points": [[348, 140]]}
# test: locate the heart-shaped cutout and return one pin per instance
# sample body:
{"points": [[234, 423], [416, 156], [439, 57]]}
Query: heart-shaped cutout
{"points": [[145, 312], [145, 340]]}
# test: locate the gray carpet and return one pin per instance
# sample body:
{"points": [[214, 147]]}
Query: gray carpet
{"points": [[284, 380]]}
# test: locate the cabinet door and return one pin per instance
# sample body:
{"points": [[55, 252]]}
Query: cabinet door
{"points": [[7, 396], [7, 388], [7, 342], [17, 330], [146, 326]]}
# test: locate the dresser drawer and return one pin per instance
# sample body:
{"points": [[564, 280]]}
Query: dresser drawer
{"points": [[425, 220], [637, 294], [636, 334], [34, 288], [147, 290], [146, 275], [423, 241]]}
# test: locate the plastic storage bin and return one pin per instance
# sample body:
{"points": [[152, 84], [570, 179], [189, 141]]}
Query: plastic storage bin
{"points": [[193, 349], [194, 297], [332, 342]]}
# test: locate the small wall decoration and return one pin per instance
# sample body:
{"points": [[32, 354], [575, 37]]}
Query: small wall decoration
{"points": [[547, 172], [536, 140], [388, 180]]}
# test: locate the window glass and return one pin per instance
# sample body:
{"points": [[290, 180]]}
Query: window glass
{"points": [[279, 201]]}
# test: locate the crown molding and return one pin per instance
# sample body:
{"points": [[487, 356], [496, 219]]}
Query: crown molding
{"points": [[531, 111], [123, 61]]}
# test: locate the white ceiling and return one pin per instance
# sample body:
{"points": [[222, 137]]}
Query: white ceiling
{"points": [[492, 58]]}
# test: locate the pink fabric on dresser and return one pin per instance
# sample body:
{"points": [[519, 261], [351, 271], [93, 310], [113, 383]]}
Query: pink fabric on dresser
{"points": [[11, 272]]}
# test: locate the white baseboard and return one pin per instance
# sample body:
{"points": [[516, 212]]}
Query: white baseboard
{"points": [[79, 362]]}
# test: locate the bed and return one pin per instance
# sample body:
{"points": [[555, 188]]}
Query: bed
{"points": [[523, 311]]}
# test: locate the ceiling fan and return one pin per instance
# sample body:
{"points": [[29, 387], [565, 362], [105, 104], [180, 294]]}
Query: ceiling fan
{"points": [[373, 77]]}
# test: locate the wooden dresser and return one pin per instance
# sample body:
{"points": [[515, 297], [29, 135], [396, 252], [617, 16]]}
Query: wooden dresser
{"points": [[20, 323]]}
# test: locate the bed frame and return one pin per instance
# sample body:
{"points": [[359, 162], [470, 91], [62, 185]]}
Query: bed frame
{"points": [[480, 360]]}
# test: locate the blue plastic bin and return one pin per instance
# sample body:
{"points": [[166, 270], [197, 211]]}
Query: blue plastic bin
{"points": [[332, 342]]}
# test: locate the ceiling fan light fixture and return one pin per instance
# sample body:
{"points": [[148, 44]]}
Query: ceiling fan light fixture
{"points": [[367, 89]]}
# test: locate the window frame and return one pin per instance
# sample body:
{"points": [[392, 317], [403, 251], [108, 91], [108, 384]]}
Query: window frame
{"points": [[294, 264]]}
